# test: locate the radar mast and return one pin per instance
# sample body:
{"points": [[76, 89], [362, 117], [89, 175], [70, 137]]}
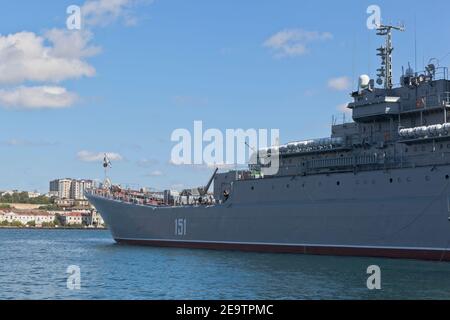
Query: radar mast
{"points": [[385, 52]]}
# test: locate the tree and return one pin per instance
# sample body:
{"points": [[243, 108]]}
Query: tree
{"points": [[58, 220], [31, 223], [48, 224], [22, 197], [16, 224]]}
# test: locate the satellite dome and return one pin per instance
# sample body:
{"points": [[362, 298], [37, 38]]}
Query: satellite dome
{"points": [[364, 81]]}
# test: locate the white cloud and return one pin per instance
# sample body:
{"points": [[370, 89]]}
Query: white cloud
{"points": [[294, 42], [343, 108], [145, 163], [88, 156], [155, 173], [104, 12], [71, 44], [177, 187], [28, 143], [25, 56], [339, 84], [55, 56], [37, 97]]}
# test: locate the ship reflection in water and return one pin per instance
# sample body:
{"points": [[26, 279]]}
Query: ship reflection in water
{"points": [[33, 265]]}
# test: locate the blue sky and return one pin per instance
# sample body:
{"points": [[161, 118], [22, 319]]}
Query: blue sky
{"points": [[160, 65]]}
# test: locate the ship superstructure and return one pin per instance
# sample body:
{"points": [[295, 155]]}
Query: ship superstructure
{"points": [[377, 187]]}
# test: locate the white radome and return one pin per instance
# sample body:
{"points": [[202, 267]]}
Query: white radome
{"points": [[364, 81]]}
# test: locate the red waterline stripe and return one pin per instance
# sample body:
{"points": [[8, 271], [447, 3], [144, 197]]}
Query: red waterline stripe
{"points": [[418, 254]]}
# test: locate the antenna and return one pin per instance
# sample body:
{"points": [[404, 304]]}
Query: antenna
{"points": [[250, 147], [385, 52], [415, 43], [106, 166]]}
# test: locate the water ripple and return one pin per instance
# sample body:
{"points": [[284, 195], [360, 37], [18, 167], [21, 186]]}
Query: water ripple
{"points": [[33, 265]]}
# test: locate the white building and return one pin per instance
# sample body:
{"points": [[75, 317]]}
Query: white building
{"points": [[33, 195], [38, 217], [72, 218], [64, 188], [93, 219], [70, 188], [9, 192], [79, 187]]}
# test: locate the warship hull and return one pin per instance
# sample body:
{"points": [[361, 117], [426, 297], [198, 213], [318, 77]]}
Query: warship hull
{"points": [[400, 213]]}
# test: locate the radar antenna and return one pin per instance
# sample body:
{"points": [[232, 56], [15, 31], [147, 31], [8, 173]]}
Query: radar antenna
{"points": [[385, 52]]}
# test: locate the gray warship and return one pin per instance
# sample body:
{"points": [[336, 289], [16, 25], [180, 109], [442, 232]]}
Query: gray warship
{"points": [[378, 187]]}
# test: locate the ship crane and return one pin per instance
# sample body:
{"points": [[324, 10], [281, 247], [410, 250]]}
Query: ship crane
{"points": [[201, 191], [204, 191]]}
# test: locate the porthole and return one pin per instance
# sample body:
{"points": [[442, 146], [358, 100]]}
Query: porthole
{"points": [[338, 183], [447, 177], [253, 188], [391, 180]]}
